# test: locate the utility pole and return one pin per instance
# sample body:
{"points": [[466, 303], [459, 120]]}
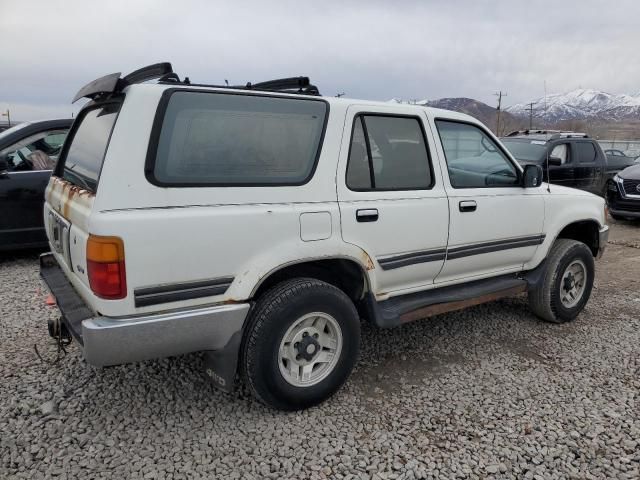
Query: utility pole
{"points": [[499, 95], [530, 109], [8, 115]]}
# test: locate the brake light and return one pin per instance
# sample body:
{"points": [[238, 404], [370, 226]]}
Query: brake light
{"points": [[105, 267]]}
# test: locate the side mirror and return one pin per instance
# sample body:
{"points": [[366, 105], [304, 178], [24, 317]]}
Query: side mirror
{"points": [[555, 161], [532, 176], [4, 166]]}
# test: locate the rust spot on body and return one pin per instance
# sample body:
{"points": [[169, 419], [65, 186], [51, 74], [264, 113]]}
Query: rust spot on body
{"points": [[62, 195], [369, 265]]}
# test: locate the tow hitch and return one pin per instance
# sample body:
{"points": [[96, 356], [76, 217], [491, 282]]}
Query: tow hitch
{"points": [[58, 330]]}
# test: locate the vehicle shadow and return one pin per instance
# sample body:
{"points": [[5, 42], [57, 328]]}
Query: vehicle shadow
{"points": [[29, 254]]}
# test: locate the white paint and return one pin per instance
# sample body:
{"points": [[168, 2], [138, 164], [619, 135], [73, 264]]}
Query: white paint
{"points": [[174, 235]]}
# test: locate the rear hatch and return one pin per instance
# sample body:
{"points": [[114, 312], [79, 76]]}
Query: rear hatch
{"points": [[71, 191]]}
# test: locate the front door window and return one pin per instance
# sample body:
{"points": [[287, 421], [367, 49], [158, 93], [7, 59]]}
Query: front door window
{"points": [[36, 152]]}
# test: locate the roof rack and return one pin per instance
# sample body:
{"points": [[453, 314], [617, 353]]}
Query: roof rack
{"points": [[553, 134], [112, 83], [300, 85]]}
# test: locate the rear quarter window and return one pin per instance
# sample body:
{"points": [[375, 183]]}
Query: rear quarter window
{"points": [[218, 139]]}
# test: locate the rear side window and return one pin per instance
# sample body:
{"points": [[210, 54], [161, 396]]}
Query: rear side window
{"points": [[82, 162], [586, 152], [388, 153], [211, 139]]}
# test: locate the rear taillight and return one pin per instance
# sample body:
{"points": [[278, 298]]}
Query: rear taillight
{"points": [[105, 267]]}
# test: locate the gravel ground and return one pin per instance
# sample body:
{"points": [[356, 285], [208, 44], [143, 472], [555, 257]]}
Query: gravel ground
{"points": [[490, 392]]}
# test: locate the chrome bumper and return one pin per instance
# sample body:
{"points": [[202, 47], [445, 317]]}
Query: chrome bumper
{"points": [[112, 341], [109, 341], [603, 238]]}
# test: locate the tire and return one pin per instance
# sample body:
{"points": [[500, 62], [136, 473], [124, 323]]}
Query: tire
{"points": [[615, 216], [545, 299], [293, 310]]}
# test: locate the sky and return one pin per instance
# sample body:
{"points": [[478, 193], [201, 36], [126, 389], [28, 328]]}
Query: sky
{"points": [[368, 49]]}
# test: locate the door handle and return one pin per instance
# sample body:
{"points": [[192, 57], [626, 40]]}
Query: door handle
{"points": [[367, 215], [468, 206]]}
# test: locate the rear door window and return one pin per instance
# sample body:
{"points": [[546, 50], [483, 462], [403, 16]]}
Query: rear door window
{"points": [[217, 139], [586, 152], [82, 161], [388, 153]]}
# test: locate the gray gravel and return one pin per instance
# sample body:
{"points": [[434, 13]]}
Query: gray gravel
{"points": [[487, 392]]}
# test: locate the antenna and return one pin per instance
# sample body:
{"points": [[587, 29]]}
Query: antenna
{"points": [[548, 173], [338, 95]]}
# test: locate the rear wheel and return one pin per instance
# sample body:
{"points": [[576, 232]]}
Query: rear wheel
{"points": [[566, 285], [301, 343]]}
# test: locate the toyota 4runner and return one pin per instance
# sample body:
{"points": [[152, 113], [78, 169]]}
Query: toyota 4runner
{"points": [[259, 223]]}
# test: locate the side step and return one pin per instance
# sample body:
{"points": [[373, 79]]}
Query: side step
{"points": [[415, 306]]}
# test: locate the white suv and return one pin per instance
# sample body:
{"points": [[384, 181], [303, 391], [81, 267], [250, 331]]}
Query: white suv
{"points": [[259, 223]]}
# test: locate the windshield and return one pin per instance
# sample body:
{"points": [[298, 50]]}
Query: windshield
{"points": [[84, 156], [527, 150], [13, 129]]}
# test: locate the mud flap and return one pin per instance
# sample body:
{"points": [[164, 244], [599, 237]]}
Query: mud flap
{"points": [[220, 366]]}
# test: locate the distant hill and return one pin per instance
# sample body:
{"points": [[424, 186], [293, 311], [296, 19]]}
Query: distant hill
{"points": [[477, 109]]}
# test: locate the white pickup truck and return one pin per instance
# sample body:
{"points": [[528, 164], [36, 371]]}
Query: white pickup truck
{"points": [[260, 223]]}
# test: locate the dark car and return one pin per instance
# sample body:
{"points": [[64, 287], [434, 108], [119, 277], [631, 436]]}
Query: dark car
{"points": [[614, 152], [617, 160], [575, 160], [28, 152], [623, 195]]}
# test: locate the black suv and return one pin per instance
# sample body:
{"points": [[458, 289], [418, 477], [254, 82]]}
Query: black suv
{"points": [[575, 159], [623, 195]]}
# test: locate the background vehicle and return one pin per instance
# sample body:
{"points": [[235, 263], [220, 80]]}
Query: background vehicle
{"points": [[614, 152], [575, 160], [617, 160], [259, 223], [623, 195], [28, 152]]}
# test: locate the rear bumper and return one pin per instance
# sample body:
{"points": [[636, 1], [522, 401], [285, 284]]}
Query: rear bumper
{"points": [[112, 341], [603, 239]]}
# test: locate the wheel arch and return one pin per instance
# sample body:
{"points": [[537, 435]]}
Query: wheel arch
{"points": [[585, 231], [345, 273]]}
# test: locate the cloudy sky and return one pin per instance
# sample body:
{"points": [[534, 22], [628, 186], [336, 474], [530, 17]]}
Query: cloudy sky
{"points": [[366, 48]]}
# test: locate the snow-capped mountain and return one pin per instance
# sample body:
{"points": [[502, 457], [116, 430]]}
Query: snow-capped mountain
{"points": [[581, 104]]}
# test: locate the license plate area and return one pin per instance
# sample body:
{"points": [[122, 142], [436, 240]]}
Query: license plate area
{"points": [[59, 235]]}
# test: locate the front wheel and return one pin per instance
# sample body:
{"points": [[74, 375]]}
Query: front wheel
{"points": [[301, 343], [566, 285]]}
